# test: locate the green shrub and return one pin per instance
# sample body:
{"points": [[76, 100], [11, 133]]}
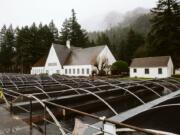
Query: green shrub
{"points": [[119, 67], [102, 73], [43, 74], [176, 76], [55, 74]]}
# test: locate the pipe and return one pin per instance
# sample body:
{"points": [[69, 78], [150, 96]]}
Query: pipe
{"points": [[103, 119]]}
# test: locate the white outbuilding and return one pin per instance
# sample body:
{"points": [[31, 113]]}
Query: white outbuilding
{"points": [[74, 61], [177, 71], [152, 67]]}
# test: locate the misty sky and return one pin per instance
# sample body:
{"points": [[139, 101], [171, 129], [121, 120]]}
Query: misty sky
{"points": [[24, 12]]}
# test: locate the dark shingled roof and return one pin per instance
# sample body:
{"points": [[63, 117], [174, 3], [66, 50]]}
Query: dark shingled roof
{"points": [[41, 62], [86, 56], [74, 55], [62, 52], [160, 61]]}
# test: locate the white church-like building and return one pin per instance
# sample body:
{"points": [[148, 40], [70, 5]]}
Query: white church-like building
{"points": [[74, 61], [152, 67]]}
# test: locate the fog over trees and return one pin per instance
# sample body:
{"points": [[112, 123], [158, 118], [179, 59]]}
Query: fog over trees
{"points": [[151, 34]]}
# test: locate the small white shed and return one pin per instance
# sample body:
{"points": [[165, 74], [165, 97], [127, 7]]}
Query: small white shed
{"points": [[152, 67], [177, 71]]}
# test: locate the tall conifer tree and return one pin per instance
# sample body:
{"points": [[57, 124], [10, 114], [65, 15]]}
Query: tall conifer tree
{"points": [[164, 37], [7, 48], [72, 31]]}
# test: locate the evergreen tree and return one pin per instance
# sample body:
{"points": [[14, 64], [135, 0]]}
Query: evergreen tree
{"points": [[2, 35], [130, 45], [121, 50], [164, 37], [7, 48], [72, 31], [65, 32], [103, 39], [54, 31], [23, 45], [32, 43], [45, 39]]}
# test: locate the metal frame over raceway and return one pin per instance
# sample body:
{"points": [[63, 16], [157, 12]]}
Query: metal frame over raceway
{"points": [[28, 90]]}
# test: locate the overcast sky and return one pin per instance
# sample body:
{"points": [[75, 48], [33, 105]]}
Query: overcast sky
{"points": [[24, 12]]}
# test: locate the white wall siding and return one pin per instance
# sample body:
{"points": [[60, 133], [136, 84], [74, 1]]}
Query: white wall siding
{"points": [[153, 72], [170, 68], [177, 71], [37, 70], [106, 53], [53, 65], [77, 70]]}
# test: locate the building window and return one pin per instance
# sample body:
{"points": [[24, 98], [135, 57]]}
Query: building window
{"points": [[135, 70], [69, 71], [146, 71], [66, 71], [78, 71], [47, 71], [52, 64], [87, 70], [74, 71], [159, 70], [82, 70], [57, 71]]}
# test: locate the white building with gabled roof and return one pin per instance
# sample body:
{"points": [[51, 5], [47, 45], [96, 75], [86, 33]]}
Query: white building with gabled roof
{"points": [[152, 67], [74, 61]]}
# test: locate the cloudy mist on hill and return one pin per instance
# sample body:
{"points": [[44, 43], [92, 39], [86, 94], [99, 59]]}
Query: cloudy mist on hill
{"points": [[112, 19]]}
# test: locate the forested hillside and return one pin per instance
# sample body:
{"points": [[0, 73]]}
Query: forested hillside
{"points": [[120, 38], [156, 33]]}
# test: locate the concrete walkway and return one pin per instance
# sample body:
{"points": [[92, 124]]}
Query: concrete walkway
{"points": [[11, 125]]}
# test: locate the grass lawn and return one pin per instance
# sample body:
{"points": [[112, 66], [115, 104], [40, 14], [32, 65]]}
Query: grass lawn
{"points": [[134, 79]]}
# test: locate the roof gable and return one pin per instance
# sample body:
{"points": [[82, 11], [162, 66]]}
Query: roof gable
{"points": [[41, 62], [160, 61], [74, 55], [62, 52]]}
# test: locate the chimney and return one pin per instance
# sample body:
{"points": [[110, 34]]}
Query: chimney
{"points": [[68, 44]]}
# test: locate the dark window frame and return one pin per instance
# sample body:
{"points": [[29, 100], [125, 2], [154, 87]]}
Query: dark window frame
{"points": [[47, 71], [146, 71], [160, 72], [78, 71], [87, 71], [66, 71], [74, 70], [52, 64], [82, 70], [135, 70], [58, 71]]}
